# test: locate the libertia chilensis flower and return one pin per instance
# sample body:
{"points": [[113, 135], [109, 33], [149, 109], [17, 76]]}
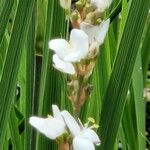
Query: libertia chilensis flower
{"points": [[76, 58], [49, 126], [62, 123], [84, 138]]}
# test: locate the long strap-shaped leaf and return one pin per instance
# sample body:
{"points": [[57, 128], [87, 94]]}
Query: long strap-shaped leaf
{"points": [[146, 52], [121, 75], [50, 82], [9, 76], [4, 17], [13, 127], [30, 84], [137, 85]]}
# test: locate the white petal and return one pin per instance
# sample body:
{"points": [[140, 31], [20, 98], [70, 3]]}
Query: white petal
{"points": [[96, 33], [71, 123], [57, 113], [74, 57], [74, 51], [90, 135], [101, 4], [63, 66], [50, 127], [60, 47], [90, 30], [79, 44], [65, 4], [82, 144], [102, 31]]}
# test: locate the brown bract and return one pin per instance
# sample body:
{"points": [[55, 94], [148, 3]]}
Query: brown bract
{"points": [[65, 146]]}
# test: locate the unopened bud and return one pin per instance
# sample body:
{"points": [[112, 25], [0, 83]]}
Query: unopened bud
{"points": [[98, 21], [74, 16], [90, 18], [79, 5], [98, 14], [88, 8]]}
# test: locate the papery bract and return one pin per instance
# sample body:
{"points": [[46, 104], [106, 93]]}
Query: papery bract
{"points": [[52, 127], [83, 138]]}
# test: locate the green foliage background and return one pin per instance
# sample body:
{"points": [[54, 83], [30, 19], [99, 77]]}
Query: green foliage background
{"points": [[29, 84]]}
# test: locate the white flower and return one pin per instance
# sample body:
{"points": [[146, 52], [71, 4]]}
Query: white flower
{"points": [[52, 127], [66, 4], [74, 50], [83, 138], [63, 66], [96, 33], [101, 4]]}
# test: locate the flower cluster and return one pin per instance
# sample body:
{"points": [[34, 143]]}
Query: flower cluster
{"points": [[62, 123], [76, 58], [83, 44], [88, 34]]}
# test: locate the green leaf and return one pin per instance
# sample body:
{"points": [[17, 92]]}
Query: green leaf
{"points": [[50, 87], [115, 98], [137, 85], [146, 51], [4, 16], [10, 71], [14, 132], [30, 84]]}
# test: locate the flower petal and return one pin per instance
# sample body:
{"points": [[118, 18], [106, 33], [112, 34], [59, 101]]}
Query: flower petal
{"points": [[63, 66], [74, 57], [103, 29], [96, 33], [60, 47], [50, 127], [65, 4], [90, 135], [71, 123], [57, 113], [90, 30], [82, 144], [101, 4], [79, 44]]}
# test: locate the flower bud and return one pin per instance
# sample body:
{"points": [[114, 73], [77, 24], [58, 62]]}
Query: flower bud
{"points": [[74, 16], [98, 14], [79, 5], [90, 18], [98, 21], [88, 8], [75, 19]]}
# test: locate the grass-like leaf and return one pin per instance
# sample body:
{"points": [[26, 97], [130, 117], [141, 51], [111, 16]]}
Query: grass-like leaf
{"points": [[4, 16], [10, 71], [115, 98]]}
